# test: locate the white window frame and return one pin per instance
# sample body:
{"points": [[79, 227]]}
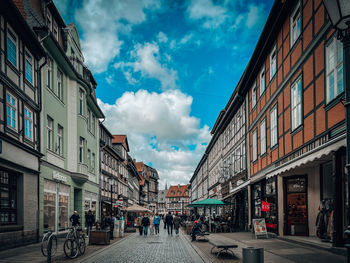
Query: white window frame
{"points": [[89, 119], [255, 145], [49, 20], [28, 123], [11, 35], [296, 104], [273, 62], [59, 84], [81, 150], [49, 133], [13, 111], [81, 102], [30, 60], [49, 74], [254, 96], [262, 81], [89, 159], [263, 137], [273, 127], [55, 28], [59, 147], [295, 23], [337, 47]]}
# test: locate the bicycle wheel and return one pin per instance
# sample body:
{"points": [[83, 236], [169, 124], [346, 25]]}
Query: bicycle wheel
{"points": [[44, 243], [82, 245], [70, 248], [53, 239]]}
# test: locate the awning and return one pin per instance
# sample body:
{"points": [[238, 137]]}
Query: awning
{"points": [[237, 189], [315, 154]]}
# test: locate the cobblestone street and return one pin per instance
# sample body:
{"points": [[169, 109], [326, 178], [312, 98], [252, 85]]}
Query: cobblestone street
{"points": [[136, 248]]}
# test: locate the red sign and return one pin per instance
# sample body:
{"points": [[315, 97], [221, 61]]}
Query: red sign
{"points": [[265, 206]]}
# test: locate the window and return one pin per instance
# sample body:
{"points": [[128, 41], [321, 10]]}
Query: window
{"points": [[8, 198], [81, 102], [295, 25], [49, 20], [334, 64], [273, 62], [12, 47], [89, 159], [238, 160], [59, 148], [243, 157], [55, 30], [93, 162], [262, 81], [81, 150], [11, 111], [89, 120], [49, 125], [29, 67], [254, 96], [296, 104], [93, 124], [273, 126], [263, 137], [255, 145], [49, 70], [28, 123], [59, 84]]}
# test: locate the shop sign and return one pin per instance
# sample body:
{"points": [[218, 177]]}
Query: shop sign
{"points": [[260, 227], [59, 177], [265, 206]]}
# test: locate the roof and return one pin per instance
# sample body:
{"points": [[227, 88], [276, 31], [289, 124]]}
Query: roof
{"points": [[121, 139], [178, 191]]}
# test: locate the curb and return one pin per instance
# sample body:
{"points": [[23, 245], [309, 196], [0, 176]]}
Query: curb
{"points": [[105, 248], [201, 254]]}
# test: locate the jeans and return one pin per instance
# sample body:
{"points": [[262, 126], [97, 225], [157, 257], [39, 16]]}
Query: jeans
{"points": [[141, 230], [145, 230], [176, 230], [156, 227], [170, 229], [88, 229]]}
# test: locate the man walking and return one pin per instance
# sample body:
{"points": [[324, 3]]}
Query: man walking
{"points": [[169, 223], [156, 222], [177, 221], [145, 224], [89, 221]]}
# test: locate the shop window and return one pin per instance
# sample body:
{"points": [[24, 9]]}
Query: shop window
{"points": [[8, 198], [49, 206], [257, 200], [63, 214], [334, 69]]}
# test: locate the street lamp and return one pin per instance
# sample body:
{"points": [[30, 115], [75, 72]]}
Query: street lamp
{"points": [[339, 13]]}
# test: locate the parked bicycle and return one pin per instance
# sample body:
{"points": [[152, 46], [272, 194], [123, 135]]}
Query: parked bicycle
{"points": [[75, 243], [49, 244]]}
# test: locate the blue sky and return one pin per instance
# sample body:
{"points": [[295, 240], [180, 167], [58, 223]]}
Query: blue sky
{"points": [[165, 69]]}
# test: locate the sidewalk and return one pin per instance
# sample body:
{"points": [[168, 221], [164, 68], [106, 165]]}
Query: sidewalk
{"points": [[275, 250], [32, 253]]}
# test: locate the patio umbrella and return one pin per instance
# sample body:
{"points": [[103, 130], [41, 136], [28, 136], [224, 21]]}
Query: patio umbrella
{"points": [[137, 209]]}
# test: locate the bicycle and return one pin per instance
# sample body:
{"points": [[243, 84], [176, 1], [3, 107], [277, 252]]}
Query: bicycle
{"points": [[75, 243], [49, 244]]}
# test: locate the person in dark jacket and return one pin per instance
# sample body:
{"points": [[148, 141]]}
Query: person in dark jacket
{"points": [[196, 229], [169, 223], [145, 224], [177, 221], [89, 221], [75, 219]]}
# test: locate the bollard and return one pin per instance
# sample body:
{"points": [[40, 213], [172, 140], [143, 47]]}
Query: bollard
{"points": [[253, 255]]}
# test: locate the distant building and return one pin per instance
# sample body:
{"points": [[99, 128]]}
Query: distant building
{"points": [[161, 205], [177, 198], [152, 188]]}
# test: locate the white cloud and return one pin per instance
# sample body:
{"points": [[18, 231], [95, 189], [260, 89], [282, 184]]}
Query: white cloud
{"points": [[150, 63], [155, 123], [102, 21], [162, 38], [255, 15]]}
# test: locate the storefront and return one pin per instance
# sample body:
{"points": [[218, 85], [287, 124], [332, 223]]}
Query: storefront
{"points": [[264, 203]]}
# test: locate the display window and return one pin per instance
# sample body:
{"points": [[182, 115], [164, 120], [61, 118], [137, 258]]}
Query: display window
{"points": [[8, 198]]}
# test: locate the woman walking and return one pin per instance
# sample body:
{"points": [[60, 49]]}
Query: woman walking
{"points": [[145, 224], [156, 222]]}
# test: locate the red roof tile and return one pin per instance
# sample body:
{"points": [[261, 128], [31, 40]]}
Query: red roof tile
{"points": [[178, 191], [122, 139]]}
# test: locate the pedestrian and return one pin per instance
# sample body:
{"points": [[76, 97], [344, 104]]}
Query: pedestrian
{"points": [[139, 224], [164, 222], [145, 224], [177, 221], [156, 222], [151, 226], [169, 223], [89, 221], [75, 219], [196, 229]]}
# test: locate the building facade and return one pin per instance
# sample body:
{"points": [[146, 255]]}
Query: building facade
{"points": [[20, 95], [161, 204], [152, 188], [177, 199]]}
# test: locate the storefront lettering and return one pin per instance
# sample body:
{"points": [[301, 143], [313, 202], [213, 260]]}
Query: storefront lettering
{"points": [[265, 206], [59, 177]]}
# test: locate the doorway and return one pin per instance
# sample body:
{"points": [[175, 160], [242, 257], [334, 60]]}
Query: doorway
{"points": [[296, 206]]}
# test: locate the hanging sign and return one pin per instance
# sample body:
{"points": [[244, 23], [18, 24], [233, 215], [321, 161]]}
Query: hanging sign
{"points": [[260, 227], [59, 177], [265, 206]]}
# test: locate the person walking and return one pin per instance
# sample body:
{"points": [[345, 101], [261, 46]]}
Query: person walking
{"points": [[75, 219], [164, 222], [151, 226], [177, 221], [156, 222], [145, 224], [139, 224], [169, 223], [89, 221]]}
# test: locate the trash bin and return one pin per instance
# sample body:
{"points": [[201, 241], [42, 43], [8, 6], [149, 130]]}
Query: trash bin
{"points": [[253, 255]]}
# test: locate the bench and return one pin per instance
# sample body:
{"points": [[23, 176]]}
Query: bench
{"points": [[202, 236], [223, 246]]}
